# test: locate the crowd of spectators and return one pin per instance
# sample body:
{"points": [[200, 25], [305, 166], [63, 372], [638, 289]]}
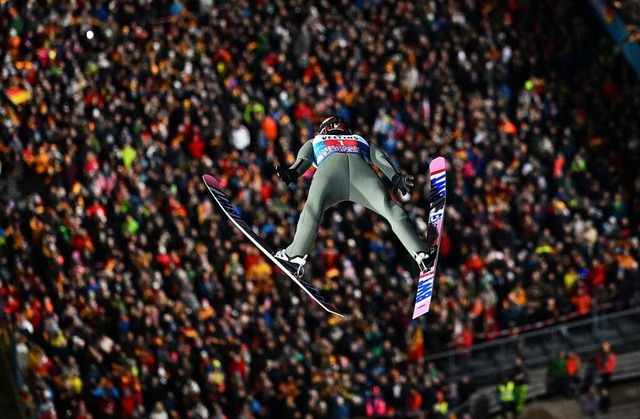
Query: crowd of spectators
{"points": [[132, 297]]}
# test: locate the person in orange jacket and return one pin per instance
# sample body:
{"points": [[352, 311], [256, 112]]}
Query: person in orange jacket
{"points": [[606, 364], [573, 371]]}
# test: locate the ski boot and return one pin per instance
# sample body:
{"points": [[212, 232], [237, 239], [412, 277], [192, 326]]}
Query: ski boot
{"points": [[425, 260], [295, 263]]}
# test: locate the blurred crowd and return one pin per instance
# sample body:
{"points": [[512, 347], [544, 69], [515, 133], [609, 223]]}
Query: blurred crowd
{"points": [[132, 297]]}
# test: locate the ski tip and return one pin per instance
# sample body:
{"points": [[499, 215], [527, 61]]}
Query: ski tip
{"points": [[211, 181], [416, 315], [422, 308], [437, 164], [335, 312]]}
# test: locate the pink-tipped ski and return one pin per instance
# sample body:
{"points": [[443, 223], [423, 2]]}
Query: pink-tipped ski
{"points": [[437, 199]]}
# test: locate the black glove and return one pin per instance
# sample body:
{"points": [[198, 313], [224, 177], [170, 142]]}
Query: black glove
{"points": [[287, 175], [403, 183]]}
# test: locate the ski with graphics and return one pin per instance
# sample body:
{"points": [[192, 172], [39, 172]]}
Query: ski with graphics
{"points": [[288, 268], [344, 161], [437, 201], [344, 172]]}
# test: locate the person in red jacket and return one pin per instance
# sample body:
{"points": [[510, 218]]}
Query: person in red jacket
{"points": [[606, 364], [375, 403]]}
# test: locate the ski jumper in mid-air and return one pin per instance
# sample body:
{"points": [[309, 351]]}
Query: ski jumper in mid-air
{"points": [[344, 173]]}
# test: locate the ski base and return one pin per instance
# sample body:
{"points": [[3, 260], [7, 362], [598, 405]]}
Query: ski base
{"points": [[225, 204], [437, 200]]}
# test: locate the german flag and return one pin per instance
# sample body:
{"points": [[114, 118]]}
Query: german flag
{"points": [[18, 95], [416, 346], [609, 14], [10, 112]]}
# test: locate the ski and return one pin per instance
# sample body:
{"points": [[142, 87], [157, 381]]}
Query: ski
{"points": [[437, 200], [227, 208]]}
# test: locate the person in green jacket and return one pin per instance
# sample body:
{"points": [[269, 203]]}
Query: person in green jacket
{"points": [[557, 377]]}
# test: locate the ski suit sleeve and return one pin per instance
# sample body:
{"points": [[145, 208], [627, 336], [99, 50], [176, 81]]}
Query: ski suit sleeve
{"points": [[304, 160], [380, 159]]}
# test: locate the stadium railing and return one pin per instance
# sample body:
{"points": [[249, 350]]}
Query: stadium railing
{"points": [[485, 362]]}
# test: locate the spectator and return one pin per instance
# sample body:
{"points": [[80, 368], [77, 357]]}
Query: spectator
{"points": [[573, 371], [158, 412], [465, 388], [605, 401], [441, 406], [606, 365], [506, 396], [453, 396], [428, 394], [464, 340], [414, 403], [557, 375], [340, 409], [581, 300], [590, 403], [520, 380], [375, 403], [240, 138]]}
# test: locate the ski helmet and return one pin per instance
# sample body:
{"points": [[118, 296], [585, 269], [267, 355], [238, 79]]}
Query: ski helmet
{"points": [[335, 125]]}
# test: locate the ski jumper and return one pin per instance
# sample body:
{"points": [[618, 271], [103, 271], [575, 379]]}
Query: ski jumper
{"points": [[345, 174]]}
